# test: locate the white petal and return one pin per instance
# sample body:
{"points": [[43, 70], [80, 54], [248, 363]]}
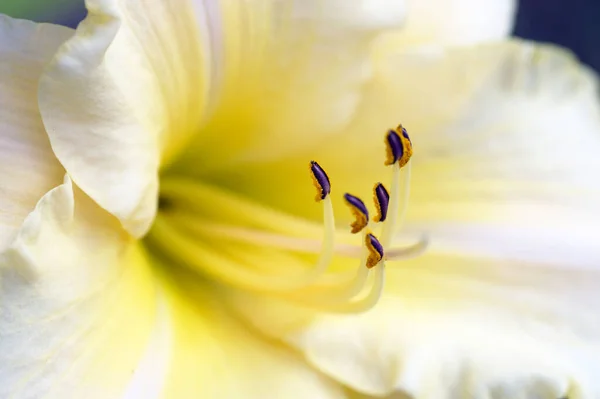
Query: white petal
{"points": [[475, 325], [77, 303], [458, 22], [125, 94], [506, 139], [27, 165]]}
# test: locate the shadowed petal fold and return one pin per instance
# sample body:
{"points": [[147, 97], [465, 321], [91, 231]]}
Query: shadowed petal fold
{"points": [[27, 165], [77, 303], [124, 95]]}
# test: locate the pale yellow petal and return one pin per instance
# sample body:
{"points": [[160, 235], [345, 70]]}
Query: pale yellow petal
{"points": [[215, 355], [27, 165], [505, 302], [124, 94], [78, 305]]}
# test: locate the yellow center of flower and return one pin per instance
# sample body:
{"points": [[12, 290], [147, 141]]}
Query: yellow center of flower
{"points": [[243, 243]]}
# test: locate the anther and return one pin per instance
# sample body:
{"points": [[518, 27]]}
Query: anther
{"points": [[360, 212], [401, 128], [398, 146], [320, 180], [375, 250], [382, 201]]}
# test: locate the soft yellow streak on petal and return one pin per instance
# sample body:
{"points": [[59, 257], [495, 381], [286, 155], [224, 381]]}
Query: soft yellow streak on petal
{"points": [[148, 380], [216, 356], [296, 74]]}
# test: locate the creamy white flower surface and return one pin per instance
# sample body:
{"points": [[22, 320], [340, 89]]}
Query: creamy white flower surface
{"points": [[504, 304], [28, 167], [458, 22], [174, 258]]}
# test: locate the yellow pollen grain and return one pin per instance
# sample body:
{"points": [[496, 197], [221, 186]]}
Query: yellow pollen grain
{"points": [[374, 256], [360, 220], [379, 215], [407, 150]]}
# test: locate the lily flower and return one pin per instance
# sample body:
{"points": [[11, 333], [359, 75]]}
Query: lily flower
{"points": [[160, 237]]}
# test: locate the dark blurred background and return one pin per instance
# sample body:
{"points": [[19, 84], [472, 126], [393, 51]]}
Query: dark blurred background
{"points": [[571, 23]]}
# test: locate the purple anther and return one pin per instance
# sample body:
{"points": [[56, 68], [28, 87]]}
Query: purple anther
{"points": [[360, 212], [321, 180], [395, 148], [375, 250], [382, 201]]}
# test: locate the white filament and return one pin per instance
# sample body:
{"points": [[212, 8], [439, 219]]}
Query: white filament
{"points": [[397, 207]]}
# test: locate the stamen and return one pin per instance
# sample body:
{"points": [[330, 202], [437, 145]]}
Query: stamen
{"points": [[320, 180], [382, 201], [360, 212], [336, 287], [371, 299], [399, 152], [344, 291], [398, 146], [375, 250], [338, 297], [342, 305]]}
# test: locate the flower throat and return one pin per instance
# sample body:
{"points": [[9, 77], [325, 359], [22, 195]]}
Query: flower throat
{"points": [[260, 257]]}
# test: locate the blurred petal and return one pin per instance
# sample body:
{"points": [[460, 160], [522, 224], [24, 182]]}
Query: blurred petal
{"points": [[77, 303], [458, 22], [505, 302], [358, 15], [124, 93], [27, 165]]}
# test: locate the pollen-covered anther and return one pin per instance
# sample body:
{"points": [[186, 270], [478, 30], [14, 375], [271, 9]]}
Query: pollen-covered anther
{"points": [[320, 180], [381, 197], [375, 250], [359, 211], [398, 146]]}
